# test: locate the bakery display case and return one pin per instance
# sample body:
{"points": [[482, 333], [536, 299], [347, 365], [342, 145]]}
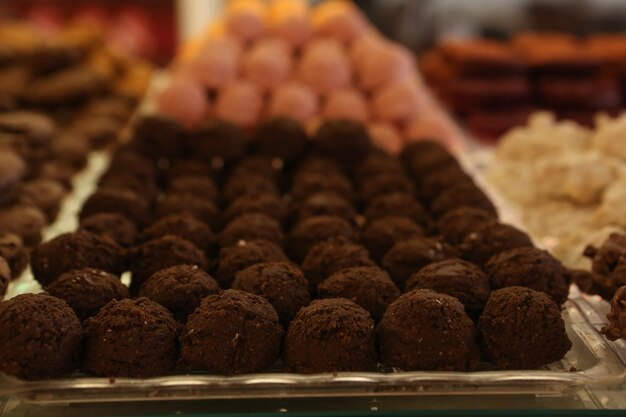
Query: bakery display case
{"points": [[299, 213]]}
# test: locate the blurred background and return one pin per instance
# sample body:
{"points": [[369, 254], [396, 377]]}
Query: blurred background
{"points": [[151, 28]]}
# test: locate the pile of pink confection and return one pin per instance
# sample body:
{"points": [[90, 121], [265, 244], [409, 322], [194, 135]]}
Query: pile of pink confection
{"points": [[284, 58]]}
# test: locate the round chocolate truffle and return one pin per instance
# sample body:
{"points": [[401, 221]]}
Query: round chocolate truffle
{"points": [[158, 136], [409, 256], [238, 186], [13, 251], [606, 258], [331, 335], [455, 277], [427, 331], [280, 137], [308, 184], [448, 176], [164, 252], [12, 170], [87, 290], [252, 226], [257, 165], [112, 200], [456, 224], [203, 187], [397, 204], [490, 239], [381, 234], [204, 210], [324, 204], [45, 194], [422, 148], [40, 337], [180, 289], [217, 138], [280, 283], [345, 140], [305, 234], [186, 227], [316, 164], [333, 255], [244, 254], [113, 226], [26, 221], [130, 338], [521, 328], [143, 187], [386, 184], [616, 329], [420, 163], [76, 250], [529, 267], [368, 286], [130, 163], [188, 167], [231, 333], [460, 195], [5, 277], [268, 204]]}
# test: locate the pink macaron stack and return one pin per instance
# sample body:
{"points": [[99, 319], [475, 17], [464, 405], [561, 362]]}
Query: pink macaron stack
{"points": [[283, 58]]}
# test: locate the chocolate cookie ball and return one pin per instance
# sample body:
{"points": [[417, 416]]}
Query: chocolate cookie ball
{"points": [[460, 195], [324, 204], [521, 328], [607, 257], [427, 331], [333, 255], [76, 250], [409, 256], [280, 283], [332, 335], [455, 277], [254, 185], [113, 226], [422, 148], [186, 227], [251, 226], [232, 333], [305, 234], [144, 188], [280, 137], [384, 185], [26, 221], [183, 167], [380, 235], [12, 170], [45, 194], [111, 200], [305, 185], [317, 164], [40, 337], [368, 286], [130, 338], [204, 210], [529, 267], [397, 204], [421, 162], [244, 254], [435, 181], [130, 163], [14, 253], [180, 289], [456, 224], [87, 290], [268, 204], [257, 165], [345, 140], [158, 136], [490, 239], [217, 138], [5, 277], [198, 186], [161, 253], [616, 328]]}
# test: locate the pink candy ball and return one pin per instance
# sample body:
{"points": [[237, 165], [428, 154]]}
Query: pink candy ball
{"points": [[325, 67], [397, 102], [241, 102], [340, 20], [268, 63], [217, 64], [346, 104], [386, 137], [245, 19], [384, 63], [290, 22], [434, 125], [184, 100], [294, 100]]}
